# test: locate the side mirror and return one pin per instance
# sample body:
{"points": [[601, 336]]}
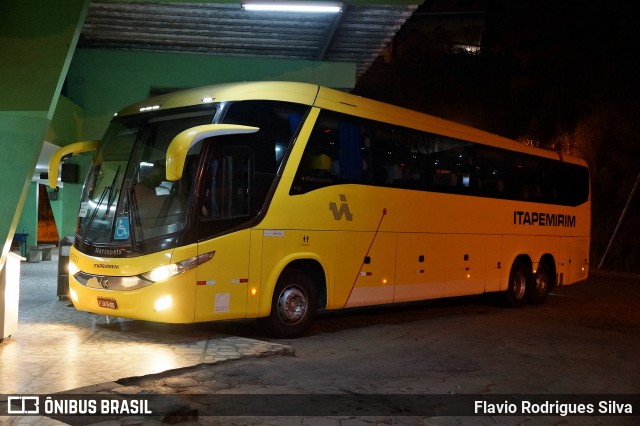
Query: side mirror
{"points": [[180, 145], [64, 152]]}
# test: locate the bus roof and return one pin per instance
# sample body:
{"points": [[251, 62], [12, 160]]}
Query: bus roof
{"points": [[303, 93], [323, 97]]}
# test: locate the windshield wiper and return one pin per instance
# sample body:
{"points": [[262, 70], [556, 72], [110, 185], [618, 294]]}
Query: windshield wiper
{"points": [[134, 218], [107, 189], [112, 194], [94, 213]]}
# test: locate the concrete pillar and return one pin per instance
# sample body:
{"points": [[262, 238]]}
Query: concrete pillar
{"points": [[37, 41]]}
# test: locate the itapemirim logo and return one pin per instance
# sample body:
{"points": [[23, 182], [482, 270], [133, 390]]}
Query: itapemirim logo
{"points": [[343, 211]]}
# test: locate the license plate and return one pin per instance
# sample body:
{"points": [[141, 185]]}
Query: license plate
{"points": [[107, 302]]}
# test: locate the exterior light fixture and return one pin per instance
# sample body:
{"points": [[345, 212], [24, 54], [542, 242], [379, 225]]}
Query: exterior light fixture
{"points": [[292, 6]]}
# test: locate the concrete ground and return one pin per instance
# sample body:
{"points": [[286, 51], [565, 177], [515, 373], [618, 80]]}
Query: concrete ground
{"points": [[584, 340]]}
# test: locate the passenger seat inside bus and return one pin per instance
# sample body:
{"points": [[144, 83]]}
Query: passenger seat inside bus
{"points": [[493, 186], [445, 179]]}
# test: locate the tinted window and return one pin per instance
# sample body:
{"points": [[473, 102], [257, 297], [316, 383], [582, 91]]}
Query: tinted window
{"points": [[346, 149]]}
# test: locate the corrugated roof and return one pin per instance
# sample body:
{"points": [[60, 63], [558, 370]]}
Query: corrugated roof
{"points": [[357, 35]]}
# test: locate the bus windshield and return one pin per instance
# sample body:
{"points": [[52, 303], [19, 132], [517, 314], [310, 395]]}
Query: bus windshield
{"points": [[129, 208], [126, 198]]}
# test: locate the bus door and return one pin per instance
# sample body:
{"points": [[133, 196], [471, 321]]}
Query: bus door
{"points": [[222, 281], [365, 268]]}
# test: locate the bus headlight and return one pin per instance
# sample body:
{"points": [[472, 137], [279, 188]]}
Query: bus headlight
{"points": [[164, 272], [72, 268]]}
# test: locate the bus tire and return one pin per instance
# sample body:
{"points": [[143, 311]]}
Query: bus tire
{"points": [[540, 284], [293, 306], [518, 288]]}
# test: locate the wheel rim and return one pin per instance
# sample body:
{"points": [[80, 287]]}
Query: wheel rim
{"points": [[292, 305], [541, 284], [519, 286]]}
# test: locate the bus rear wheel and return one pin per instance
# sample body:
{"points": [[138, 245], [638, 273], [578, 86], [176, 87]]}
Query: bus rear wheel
{"points": [[541, 284], [294, 305], [519, 279]]}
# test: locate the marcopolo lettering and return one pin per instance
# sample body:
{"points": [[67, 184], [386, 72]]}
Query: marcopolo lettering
{"points": [[108, 252], [543, 219]]}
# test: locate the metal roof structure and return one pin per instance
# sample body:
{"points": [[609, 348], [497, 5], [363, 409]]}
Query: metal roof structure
{"points": [[357, 34]]}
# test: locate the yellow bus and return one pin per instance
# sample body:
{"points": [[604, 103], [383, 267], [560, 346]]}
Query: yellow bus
{"points": [[276, 200]]}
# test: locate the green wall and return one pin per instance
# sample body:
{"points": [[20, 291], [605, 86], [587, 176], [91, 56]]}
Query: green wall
{"points": [[67, 123], [21, 136], [37, 39]]}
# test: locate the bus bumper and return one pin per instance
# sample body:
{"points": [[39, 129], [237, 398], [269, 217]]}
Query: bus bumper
{"points": [[172, 301]]}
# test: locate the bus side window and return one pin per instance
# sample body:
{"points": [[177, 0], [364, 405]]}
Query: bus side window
{"points": [[351, 160], [445, 179], [226, 189], [336, 152], [492, 187], [320, 158]]}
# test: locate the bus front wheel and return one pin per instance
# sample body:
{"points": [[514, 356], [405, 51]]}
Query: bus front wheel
{"points": [[294, 305], [519, 279]]}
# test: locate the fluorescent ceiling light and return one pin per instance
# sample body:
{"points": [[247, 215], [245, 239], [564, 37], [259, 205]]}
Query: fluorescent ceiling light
{"points": [[302, 7]]}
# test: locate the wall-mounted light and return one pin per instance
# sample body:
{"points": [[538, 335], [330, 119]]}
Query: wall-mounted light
{"points": [[292, 6]]}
